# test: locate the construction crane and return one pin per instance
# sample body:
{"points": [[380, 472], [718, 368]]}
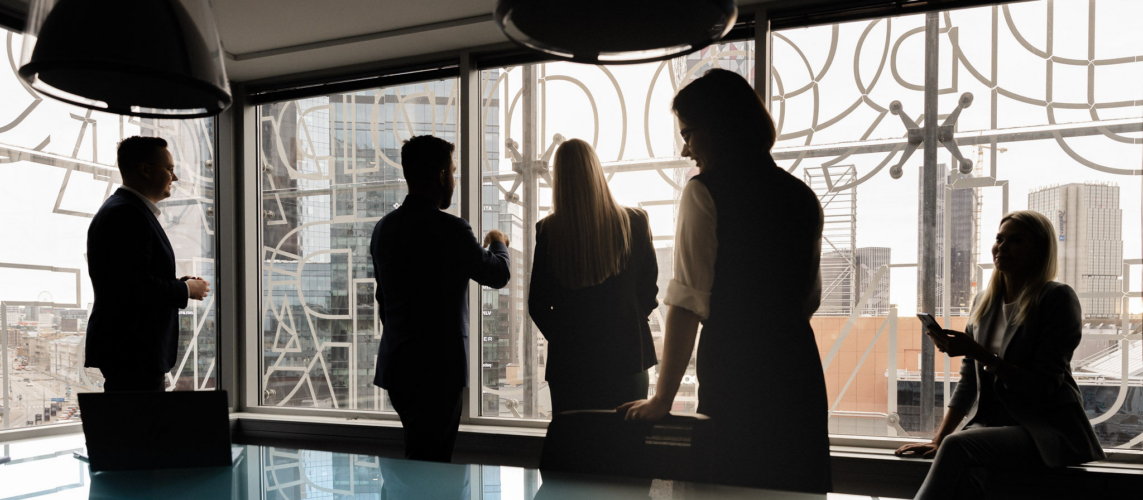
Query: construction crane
{"points": [[977, 208]]}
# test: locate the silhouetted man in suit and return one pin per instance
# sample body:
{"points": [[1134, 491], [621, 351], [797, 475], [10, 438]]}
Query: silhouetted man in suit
{"points": [[423, 259], [134, 327]]}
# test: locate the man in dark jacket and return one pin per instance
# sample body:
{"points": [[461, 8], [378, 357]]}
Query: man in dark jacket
{"points": [[133, 331], [423, 259]]}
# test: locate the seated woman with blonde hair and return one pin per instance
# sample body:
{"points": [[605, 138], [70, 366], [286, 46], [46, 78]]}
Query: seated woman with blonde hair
{"points": [[1016, 405]]}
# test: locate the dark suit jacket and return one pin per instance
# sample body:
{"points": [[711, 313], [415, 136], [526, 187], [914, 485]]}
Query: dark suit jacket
{"points": [[1042, 397], [598, 332], [134, 322], [422, 260]]}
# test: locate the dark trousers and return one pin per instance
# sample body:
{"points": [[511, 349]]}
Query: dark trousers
{"points": [[132, 380], [961, 467], [599, 395], [431, 418]]}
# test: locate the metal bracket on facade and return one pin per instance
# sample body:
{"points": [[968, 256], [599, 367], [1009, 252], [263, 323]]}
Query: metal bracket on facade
{"points": [[539, 167], [916, 136]]}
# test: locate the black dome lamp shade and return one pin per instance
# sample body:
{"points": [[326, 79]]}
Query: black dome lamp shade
{"points": [[148, 58], [615, 31]]}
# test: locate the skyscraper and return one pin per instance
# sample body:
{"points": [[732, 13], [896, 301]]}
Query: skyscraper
{"points": [[959, 285], [839, 235], [869, 260], [1089, 229], [502, 310]]}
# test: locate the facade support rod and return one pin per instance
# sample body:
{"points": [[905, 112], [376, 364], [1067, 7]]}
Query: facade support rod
{"points": [[929, 216], [530, 152]]}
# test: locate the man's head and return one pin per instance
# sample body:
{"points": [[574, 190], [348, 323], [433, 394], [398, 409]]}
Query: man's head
{"points": [[146, 166], [429, 169]]}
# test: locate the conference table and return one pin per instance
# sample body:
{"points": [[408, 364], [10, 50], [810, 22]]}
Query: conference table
{"points": [[46, 468]]}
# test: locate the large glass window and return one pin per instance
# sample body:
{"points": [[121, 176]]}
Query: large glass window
{"points": [[330, 168], [624, 113], [57, 166], [1054, 126]]}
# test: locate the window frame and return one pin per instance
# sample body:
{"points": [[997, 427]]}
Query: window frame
{"points": [[238, 241]]}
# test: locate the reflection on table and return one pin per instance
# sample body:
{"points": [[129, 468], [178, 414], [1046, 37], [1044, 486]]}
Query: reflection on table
{"points": [[45, 469]]}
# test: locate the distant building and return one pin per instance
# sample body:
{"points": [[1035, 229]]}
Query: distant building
{"points": [[66, 358], [503, 310], [869, 260], [839, 236], [1089, 227], [963, 223], [838, 297]]}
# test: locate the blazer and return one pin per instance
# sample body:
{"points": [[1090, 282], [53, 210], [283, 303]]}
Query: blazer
{"points": [[134, 321], [1042, 395], [601, 331], [422, 261]]}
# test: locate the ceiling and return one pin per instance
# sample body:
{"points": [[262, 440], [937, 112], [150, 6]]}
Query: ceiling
{"points": [[270, 38]]}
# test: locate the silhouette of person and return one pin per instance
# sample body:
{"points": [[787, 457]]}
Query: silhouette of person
{"points": [[593, 288], [133, 330], [423, 259], [747, 250], [1016, 405]]}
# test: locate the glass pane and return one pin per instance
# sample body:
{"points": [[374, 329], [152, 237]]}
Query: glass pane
{"points": [[330, 168], [624, 112], [1054, 126], [58, 168]]}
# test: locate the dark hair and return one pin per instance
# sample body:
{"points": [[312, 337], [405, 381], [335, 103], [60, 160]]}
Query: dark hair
{"points": [[135, 150], [424, 157], [725, 103]]}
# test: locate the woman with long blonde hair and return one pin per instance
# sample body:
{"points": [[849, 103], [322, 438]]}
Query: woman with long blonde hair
{"points": [[1016, 403], [593, 288]]}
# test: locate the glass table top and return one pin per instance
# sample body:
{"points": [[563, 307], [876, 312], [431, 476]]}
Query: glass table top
{"points": [[46, 469]]}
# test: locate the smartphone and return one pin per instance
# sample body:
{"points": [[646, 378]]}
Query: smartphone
{"points": [[929, 322]]}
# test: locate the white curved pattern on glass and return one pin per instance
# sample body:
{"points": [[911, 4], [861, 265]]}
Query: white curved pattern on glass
{"points": [[57, 166], [330, 169]]}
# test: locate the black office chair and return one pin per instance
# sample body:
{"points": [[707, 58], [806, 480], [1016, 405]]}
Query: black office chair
{"points": [[600, 442]]}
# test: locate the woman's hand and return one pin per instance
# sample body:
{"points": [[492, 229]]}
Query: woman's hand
{"points": [[956, 343], [645, 409], [922, 450]]}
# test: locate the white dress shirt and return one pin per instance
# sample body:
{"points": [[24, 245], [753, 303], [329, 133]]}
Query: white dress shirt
{"points": [[151, 205], [696, 248], [1002, 327]]}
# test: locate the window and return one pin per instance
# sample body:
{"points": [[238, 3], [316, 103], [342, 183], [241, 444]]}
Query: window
{"points": [[624, 111], [330, 169], [58, 168], [1054, 127]]}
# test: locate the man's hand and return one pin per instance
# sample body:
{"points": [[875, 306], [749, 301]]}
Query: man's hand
{"points": [[921, 450], [956, 343], [495, 235], [197, 288], [644, 409]]}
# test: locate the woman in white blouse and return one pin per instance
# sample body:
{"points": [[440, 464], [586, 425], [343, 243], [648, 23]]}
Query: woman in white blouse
{"points": [[1016, 405], [747, 252]]}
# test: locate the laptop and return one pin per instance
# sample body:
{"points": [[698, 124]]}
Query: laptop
{"points": [[156, 430]]}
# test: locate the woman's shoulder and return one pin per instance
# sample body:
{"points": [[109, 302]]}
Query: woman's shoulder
{"points": [[1055, 291]]}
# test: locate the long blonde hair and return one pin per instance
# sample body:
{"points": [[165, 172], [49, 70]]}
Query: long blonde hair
{"points": [[1044, 238], [588, 232]]}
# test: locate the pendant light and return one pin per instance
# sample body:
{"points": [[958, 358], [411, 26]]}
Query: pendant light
{"points": [[615, 31], [147, 58]]}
